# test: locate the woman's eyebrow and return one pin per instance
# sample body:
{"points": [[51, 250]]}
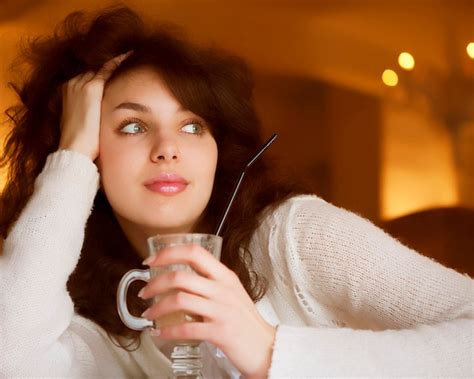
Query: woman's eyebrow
{"points": [[134, 106]]}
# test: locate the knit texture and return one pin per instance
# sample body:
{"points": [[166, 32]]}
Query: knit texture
{"points": [[347, 299], [374, 307]]}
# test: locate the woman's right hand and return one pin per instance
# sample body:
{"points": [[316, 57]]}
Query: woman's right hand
{"points": [[82, 98]]}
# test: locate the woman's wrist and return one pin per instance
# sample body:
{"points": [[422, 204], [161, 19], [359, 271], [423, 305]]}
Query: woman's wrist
{"points": [[78, 149], [264, 367]]}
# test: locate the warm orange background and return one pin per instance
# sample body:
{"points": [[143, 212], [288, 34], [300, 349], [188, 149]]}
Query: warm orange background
{"points": [[318, 65]]}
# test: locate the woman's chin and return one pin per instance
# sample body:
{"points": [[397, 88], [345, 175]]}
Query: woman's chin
{"points": [[154, 229]]}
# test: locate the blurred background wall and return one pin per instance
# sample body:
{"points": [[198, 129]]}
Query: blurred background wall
{"points": [[380, 150]]}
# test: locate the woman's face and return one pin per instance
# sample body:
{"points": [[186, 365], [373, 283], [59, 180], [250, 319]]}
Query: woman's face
{"points": [[157, 160]]}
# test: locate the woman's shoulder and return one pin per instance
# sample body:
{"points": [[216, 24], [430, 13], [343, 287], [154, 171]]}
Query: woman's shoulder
{"points": [[309, 217], [295, 210], [303, 199], [310, 209], [291, 207]]}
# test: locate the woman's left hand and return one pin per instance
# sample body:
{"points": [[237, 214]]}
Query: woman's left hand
{"points": [[230, 319]]}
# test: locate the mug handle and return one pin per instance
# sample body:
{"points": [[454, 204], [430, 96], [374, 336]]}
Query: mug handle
{"points": [[135, 323]]}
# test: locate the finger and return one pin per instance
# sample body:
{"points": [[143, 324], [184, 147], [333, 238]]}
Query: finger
{"points": [[77, 81], [87, 75], [108, 67], [181, 302], [180, 280], [201, 260], [197, 285], [84, 78]]}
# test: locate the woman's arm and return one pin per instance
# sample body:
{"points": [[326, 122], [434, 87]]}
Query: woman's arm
{"points": [[400, 312], [40, 253]]}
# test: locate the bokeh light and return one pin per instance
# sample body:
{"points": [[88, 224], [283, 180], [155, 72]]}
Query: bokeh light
{"points": [[470, 49], [406, 61], [390, 78]]}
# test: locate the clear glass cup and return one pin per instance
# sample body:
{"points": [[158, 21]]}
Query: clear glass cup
{"points": [[186, 356]]}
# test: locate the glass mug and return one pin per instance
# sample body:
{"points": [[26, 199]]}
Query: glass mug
{"points": [[186, 356]]}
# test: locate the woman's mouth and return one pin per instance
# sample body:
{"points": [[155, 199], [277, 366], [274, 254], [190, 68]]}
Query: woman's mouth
{"points": [[167, 184]]}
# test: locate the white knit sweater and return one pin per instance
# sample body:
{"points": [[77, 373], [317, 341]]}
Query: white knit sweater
{"points": [[348, 299]]}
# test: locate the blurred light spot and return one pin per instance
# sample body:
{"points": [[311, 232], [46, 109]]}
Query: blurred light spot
{"points": [[390, 78], [406, 61], [470, 49]]}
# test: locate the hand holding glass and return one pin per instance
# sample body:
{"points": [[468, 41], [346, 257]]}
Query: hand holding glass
{"points": [[186, 354]]}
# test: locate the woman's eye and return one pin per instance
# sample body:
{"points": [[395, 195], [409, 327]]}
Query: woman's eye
{"points": [[192, 128], [132, 128]]}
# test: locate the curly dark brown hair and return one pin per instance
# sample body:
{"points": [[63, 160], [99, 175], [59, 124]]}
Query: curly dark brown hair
{"points": [[211, 83]]}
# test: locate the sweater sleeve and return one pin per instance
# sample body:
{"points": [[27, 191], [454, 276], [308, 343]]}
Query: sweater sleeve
{"points": [[394, 311], [41, 251]]}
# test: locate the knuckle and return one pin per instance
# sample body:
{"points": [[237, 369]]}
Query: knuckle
{"points": [[180, 299], [89, 86], [194, 253], [69, 86], [233, 277], [92, 86], [73, 80], [175, 277]]}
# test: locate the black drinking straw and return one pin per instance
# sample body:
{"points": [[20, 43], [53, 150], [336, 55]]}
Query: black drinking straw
{"points": [[241, 178]]}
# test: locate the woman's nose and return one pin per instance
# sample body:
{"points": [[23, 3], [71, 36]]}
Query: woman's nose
{"points": [[165, 150]]}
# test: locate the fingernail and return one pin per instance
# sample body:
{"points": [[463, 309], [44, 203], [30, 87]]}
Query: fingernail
{"points": [[155, 332], [146, 313], [148, 260], [140, 293]]}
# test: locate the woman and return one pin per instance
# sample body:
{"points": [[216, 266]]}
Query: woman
{"points": [[152, 141]]}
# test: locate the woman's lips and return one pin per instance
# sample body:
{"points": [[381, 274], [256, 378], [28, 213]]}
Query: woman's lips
{"points": [[167, 188], [167, 184]]}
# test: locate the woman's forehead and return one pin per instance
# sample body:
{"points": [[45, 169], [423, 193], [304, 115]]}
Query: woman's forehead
{"points": [[138, 82], [134, 75]]}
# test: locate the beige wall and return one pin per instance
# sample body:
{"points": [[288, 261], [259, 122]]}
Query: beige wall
{"points": [[418, 169], [465, 160]]}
